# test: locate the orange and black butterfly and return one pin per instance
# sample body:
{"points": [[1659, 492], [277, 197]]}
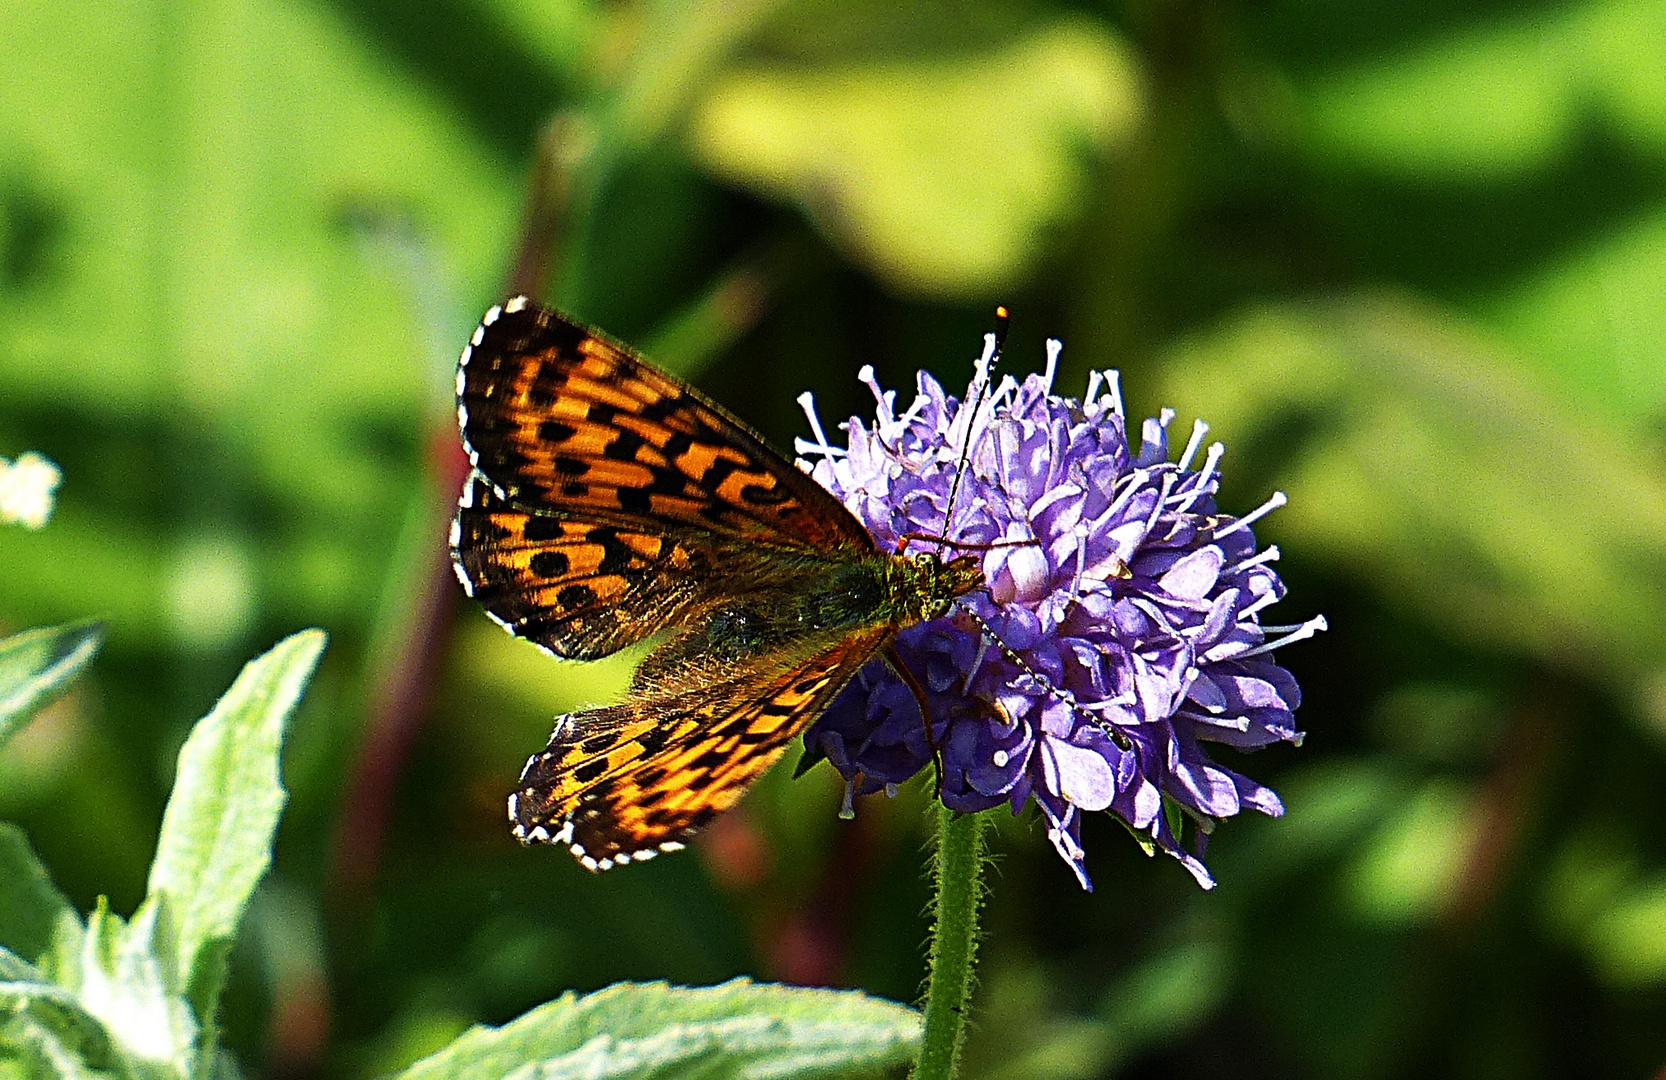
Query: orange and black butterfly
{"points": [[611, 503]]}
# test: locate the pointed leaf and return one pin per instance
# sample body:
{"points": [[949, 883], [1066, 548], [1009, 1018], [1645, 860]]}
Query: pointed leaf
{"points": [[13, 968], [217, 832], [38, 665], [34, 916], [738, 1029]]}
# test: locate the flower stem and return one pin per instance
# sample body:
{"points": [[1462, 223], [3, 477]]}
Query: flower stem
{"points": [[954, 942]]}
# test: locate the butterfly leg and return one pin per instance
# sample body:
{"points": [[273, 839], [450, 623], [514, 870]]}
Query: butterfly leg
{"points": [[906, 538], [894, 658]]}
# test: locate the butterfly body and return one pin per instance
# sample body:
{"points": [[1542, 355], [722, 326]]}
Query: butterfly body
{"points": [[611, 504]]}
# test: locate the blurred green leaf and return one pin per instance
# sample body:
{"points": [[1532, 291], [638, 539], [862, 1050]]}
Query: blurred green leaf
{"points": [[1627, 941], [38, 665], [1409, 870], [36, 921], [1168, 993], [1599, 897], [1594, 318], [941, 175], [1490, 99], [738, 1029], [14, 968], [1420, 461], [44, 1028], [211, 307], [216, 840]]}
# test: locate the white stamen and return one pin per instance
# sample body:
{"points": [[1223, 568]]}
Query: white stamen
{"points": [[807, 402], [1300, 633], [1000, 759], [1265, 600], [802, 446], [882, 398], [1114, 378], [1054, 347], [1277, 500], [1202, 486], [1199, 429], [912, 413], [1159, 506], [1270, 555]]}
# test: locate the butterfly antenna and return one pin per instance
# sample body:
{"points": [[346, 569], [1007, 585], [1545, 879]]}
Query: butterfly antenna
{"points": [[1056, 692], [1000, 340]]}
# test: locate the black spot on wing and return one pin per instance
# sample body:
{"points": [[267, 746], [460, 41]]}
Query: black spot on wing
{"points": [[549, 564]]}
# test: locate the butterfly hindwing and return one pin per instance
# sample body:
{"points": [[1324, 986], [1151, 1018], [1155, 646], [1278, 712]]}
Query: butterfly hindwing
{"points": [[559, 418], [630, 780]]}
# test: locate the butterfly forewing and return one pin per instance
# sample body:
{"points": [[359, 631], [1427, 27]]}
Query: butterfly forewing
{"points": [[582, 589], [559, 418]]}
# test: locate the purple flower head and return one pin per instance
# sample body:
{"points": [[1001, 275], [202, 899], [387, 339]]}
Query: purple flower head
{"points": [[1129, 620]]}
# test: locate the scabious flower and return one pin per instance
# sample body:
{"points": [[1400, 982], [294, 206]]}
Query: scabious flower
{"points": [[1128, 617]]}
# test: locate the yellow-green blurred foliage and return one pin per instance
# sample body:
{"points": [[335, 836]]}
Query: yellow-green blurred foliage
{"points": [[1409, 260]]}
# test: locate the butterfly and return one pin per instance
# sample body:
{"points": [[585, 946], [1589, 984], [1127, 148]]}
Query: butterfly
{"points": [[611, 503]]}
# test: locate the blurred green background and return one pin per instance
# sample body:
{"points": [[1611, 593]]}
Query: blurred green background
{"points": [[1408, 259]]}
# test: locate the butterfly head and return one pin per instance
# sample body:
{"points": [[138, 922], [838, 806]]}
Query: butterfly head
{"points": [[939, 582]]}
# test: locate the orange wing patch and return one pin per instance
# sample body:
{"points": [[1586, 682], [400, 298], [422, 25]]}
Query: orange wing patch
{"points": [[629, 781], [557, 417], [580, 589]]}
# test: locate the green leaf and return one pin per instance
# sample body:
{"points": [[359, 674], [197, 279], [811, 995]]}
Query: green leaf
{"points": [[38, 665], [216, 840], [738, 1029], [1437, 475], [13, 968], [44, 1027], [34, 916], [894, 159], [127, 982]]}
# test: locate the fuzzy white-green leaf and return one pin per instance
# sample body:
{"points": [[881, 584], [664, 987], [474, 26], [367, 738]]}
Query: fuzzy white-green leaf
{"points": [[216, 840], [36, 923], [738, 1029], [128, 982], [49, 1034], [38, 665]]}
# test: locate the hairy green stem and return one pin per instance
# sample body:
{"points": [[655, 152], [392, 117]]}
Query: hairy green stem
{"points": [[954, 942]]}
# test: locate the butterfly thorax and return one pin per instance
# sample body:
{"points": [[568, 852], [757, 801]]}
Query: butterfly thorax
{"points": [[814, 598], [924, 587]]}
